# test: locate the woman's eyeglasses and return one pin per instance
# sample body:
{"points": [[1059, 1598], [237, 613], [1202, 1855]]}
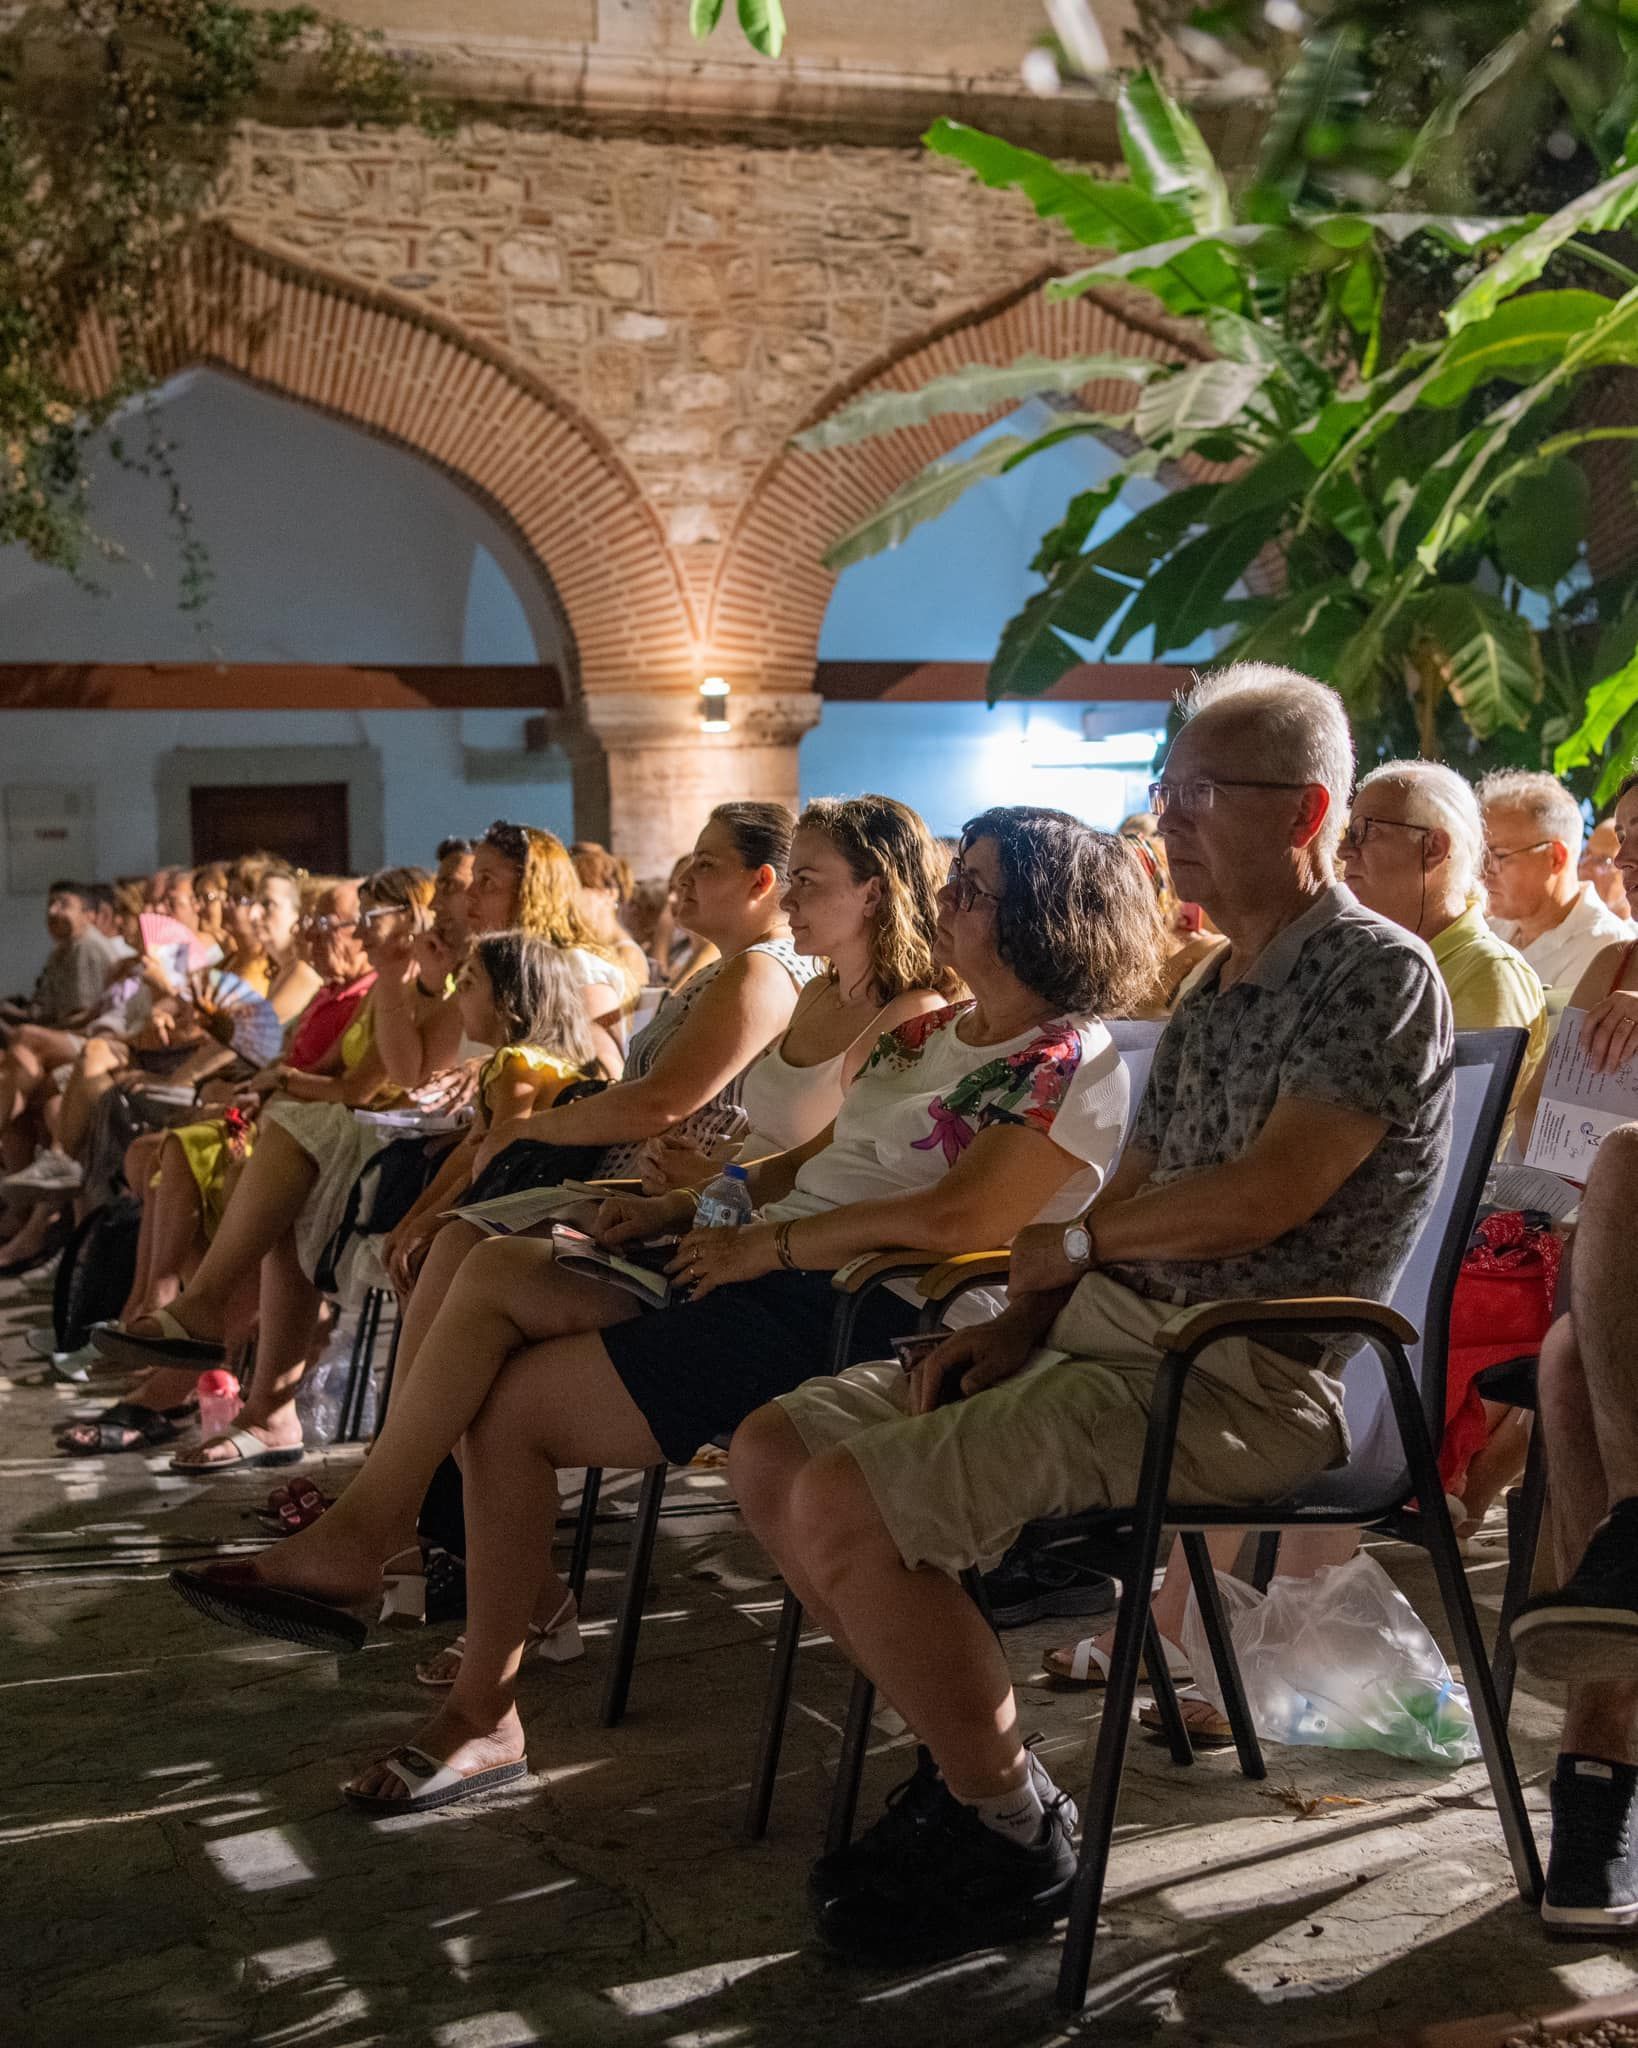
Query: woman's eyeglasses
{"points": [[323, 926], [965, 886]]}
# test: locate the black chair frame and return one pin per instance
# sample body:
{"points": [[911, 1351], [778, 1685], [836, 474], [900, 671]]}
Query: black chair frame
{"points": [[361, 1363]]}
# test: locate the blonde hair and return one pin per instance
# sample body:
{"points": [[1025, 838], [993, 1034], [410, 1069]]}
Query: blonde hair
{"points": [[885, 841]]}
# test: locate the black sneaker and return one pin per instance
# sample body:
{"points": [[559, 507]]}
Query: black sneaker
{"points": [[1592, 1873], [909, 1807], [952, 1884], [1029, 1585], [1589, 1628]]}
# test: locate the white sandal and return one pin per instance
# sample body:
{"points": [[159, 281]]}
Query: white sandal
{"points": [[1089, 1666], [559, 1642], [427, 1782], [254, 1456]]}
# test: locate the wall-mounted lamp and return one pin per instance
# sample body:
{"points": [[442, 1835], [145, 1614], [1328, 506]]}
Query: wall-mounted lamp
{"points": [[714, 705]]}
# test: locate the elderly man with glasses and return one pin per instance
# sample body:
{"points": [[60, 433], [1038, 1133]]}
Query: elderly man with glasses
{"points": [[1290, 1142], [1538, 901]]}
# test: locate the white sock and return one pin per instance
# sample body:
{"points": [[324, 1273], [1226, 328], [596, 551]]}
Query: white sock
{"points": [[1049, 1791], [1017, 1814]]}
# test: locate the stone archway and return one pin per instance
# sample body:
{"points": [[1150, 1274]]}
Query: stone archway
{"points": [[769, 598], [417, 380]]}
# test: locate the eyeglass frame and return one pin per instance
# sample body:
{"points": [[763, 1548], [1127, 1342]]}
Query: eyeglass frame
{"points": [[1490, 858], [1160, 793], [965, 887], [1353, 839], [327, 924]]}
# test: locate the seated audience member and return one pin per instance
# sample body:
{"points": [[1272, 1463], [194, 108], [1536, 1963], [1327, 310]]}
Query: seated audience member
{"points": [[965, 1124], [1538, 901], [606, 886], [523, 879], [417, 1018], [1586, 1634], [1600, 864], [686, 1066], [677, 952], [210, 899], [1185, 948], [1290, 1142]]}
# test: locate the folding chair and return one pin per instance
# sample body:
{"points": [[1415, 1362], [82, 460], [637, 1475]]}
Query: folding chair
{"points": [[1486, 1064], [361, 1362], [1514, 1381]]}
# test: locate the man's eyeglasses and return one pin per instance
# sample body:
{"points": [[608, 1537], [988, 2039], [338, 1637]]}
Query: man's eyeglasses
{"points": [[1357, 833], [1497, 856], [965, 886], [1198, 797]]}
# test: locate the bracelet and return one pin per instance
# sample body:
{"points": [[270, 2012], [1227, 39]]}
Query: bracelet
{"points": [[693, 1195], [782, 1246], [422, 989]]}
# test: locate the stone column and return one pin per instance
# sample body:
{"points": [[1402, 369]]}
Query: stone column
{"points": [[659, 774]]}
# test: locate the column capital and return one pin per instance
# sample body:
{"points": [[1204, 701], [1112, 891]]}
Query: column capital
{"points": [[671, 719]]}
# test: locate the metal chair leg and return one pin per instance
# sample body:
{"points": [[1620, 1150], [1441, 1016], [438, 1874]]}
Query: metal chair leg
{"points": [[1526, 1505], [844, 1798], [358, 1367], [628, 1623], [1267, 1559], [1214, 1621], [585, 1528], [775, 1706], [1164, 1687]]}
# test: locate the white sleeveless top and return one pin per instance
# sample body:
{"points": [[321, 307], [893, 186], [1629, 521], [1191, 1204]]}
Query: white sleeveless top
{"points": [[789, 1105]]}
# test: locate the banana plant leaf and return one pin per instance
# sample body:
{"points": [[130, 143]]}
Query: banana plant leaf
{"points": [[981, 387], [764, 24], [1099, 212], [1167, 155], [932, 491], [1196, 401], [1608, 704], [1608, 205], [1494, 675], [1033, 653]]}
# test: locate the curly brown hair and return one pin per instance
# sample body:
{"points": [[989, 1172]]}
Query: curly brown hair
{"points": [[600, 869], [1076, 918], [548, 888], [885, 841]]}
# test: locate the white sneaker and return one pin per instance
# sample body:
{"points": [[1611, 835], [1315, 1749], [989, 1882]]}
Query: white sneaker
{"points": [[52, 1173]]}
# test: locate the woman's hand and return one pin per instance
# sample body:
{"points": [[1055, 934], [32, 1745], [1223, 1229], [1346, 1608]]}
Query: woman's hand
{"points": [[405, 1248], [723, 1257], [1609, 1037], [625, 1219], [668, 1162]]}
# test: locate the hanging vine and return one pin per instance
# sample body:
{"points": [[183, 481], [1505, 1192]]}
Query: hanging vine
{"points": [[116, 118]]}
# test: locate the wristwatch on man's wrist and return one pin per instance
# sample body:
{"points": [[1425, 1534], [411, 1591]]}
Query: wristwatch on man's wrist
{"points": [[1078, 1244]]}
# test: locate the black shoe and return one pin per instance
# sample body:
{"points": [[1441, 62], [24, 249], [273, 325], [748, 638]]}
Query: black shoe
{"points": [[1589, 1628], [952, 1884], [446, 1588], [909, 1808], [1028, 1585], [1592, 1873]]}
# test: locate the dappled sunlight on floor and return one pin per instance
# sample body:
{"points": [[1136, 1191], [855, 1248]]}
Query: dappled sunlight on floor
{"points": [[182, 1866]]}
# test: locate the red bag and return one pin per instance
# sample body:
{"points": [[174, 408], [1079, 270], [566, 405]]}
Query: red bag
{"points": [[1503, 1307]]}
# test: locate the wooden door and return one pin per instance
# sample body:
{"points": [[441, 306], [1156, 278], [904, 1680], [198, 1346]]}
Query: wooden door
{"points": [[304, 823]]}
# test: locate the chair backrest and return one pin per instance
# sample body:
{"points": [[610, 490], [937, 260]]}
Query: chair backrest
{"points": [[1375, 1479], [1135, 1040]]}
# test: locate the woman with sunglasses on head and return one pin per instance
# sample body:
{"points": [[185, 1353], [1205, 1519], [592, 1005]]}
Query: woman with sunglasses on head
{"points": [[966, 1124]]}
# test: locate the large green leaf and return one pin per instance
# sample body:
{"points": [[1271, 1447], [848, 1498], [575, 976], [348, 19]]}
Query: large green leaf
{"points": [[1606, 206], [1310, 630], [1151, 533], [1099, 213], [1033, 653], [1067, 540], [1495, 678], [1196, 401], [1608, 703], [1244, 339], [1280, 478], [764, 24], [1167, 155], [1187, 273], [981, 387], [1185, 596], [1539, 531], [924, 497], [703, 16], [1521, 334]]}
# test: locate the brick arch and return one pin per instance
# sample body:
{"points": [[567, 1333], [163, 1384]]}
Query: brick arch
{"points": [[400, 373], [772, 589]]}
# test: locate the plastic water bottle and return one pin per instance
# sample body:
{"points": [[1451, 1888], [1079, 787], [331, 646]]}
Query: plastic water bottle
{"points": [[726, 1203], [219, 1401]]}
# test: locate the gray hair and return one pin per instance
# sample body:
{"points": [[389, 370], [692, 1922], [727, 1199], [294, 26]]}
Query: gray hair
{"points": [[1436, 796], [1543, 799], [1300, 727]]}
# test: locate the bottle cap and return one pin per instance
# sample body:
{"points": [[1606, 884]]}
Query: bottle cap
{"points": [[733, 1173], [218, 1381]]}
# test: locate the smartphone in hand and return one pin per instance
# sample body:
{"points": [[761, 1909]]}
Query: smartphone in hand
{"points": [[911, 1350]]}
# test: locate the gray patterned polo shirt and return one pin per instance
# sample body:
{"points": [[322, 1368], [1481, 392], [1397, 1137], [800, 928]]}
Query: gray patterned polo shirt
{"points": [[1341, 1007]]}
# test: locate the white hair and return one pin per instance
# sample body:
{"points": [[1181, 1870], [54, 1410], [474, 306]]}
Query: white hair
{"points": [[1436, 796], [1544, 800], [1299, 725]]}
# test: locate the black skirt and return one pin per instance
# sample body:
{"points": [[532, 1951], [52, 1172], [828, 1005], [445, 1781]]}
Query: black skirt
{"points": [[696, 1372]]}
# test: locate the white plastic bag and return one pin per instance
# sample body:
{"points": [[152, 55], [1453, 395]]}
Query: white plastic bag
{"points": [[1340, 1660]]}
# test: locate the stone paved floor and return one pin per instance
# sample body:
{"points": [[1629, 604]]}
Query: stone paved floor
{"points": [[178, 1867]]}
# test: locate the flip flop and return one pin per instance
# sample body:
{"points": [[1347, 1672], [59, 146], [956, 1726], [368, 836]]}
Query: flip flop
{"points": [[173, 1346], [427, 1782], [145, 1429], [232, 1594], [254, 1456], [1088, 1666]]}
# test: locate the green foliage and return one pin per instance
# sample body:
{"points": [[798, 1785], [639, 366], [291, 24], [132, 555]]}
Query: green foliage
{"points": [[763, 23], [1401, 389], [103, 181]]}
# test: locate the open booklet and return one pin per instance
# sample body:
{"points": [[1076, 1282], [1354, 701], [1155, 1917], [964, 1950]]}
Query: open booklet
{"points": [[508, 1215], [1579, 1108], [639, 1268]]}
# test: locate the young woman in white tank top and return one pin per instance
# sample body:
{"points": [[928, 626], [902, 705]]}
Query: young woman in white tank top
{"points": [[863, 875]]}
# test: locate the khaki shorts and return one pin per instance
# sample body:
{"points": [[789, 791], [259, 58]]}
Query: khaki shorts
{"points": [[1066, 1435]]}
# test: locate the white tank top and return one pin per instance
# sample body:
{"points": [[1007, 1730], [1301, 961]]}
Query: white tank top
{"points": [[789, 1105]]}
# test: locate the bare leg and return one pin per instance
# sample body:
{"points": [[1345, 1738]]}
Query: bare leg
{"points": [[91, 1080], [509, 1295], [289, 1317], [432, 1284], [173, 1226], [553, 1405], [1499, 1465]]}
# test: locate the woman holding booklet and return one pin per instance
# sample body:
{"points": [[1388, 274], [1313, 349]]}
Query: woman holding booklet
{"points": [[965, 1124]]}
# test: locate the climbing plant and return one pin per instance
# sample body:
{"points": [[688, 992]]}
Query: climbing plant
{"points": [[116, 118]]}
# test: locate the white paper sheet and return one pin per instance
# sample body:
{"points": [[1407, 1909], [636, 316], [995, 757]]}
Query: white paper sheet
{"points": [[1579, 1106]]}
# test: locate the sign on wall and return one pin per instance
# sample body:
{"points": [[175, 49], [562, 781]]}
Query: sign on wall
{"points": [[50, 836]]}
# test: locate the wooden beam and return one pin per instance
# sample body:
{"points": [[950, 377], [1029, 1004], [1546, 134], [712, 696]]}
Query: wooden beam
{"points": [[962, 682], [271, 686]]}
